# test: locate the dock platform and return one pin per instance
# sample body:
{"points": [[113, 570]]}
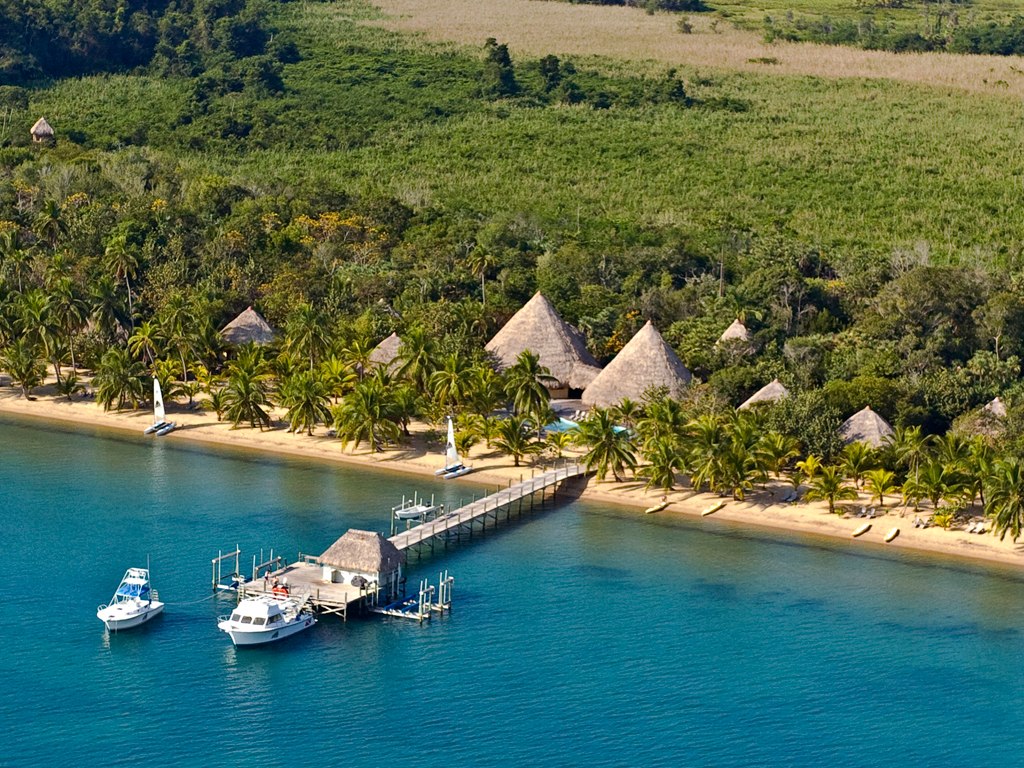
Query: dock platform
{"points": [[307, 578]]}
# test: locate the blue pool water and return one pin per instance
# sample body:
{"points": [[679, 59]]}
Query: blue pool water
{"points": [[582, 635]]}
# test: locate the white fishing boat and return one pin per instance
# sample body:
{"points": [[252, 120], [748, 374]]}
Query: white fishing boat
{"points": [[453, 464], [413, 509], [266, 618], [161, 426], [134, 602]]}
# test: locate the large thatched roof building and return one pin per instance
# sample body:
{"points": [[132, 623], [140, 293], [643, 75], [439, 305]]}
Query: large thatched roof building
{"points": [[866, 426], [647, 361], [248, 327], [769, 393], [364, 558], [42, 131], [385, 354], [560, 347]]}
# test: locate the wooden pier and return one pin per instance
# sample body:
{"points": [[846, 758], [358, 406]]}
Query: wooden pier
{"points": [[306, 578], [453, 524]]}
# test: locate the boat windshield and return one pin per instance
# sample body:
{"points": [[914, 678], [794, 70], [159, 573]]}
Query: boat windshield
{"points": [[129, 589], [236, 616]]}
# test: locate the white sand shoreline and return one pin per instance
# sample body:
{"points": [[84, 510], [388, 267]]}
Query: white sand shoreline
{"points": [[759, 512]]}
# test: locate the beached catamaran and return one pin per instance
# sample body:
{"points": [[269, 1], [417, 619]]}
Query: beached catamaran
{"points": [[453, 464], [161, 426]]}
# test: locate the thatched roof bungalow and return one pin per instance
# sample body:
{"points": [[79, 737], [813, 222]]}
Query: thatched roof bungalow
{"points": [[737, 331], [996, 407], [385, 354], [42, 131], [866, 426], [769, 393], [561, 348], [647, 361], [361, 558], [248, 327]]}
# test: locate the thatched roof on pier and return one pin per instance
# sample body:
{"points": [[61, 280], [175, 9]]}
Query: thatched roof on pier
{"points": [[996, 407], [385, 353], [647, 361], [866, 426], [769, 393], [363, 552], [248, 327], [42, 130], [561, 348]]}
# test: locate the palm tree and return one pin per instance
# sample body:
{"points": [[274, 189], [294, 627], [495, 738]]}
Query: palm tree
{"points": [[628, 412], [23, 362], [145, 341], [69, 311], [366, 414], [338, 376], [106, 308], [880, 482], [486, 390], [524, 386], [37, 322], [777, 450], [306, 396], [450, 384], [480, 262], [417, 358], [663, 461], [706, 438], [909, 448], [49, 224], [247, 390], [177, 328], [123, 262], [406, 404], [827, 485], [808, 468], [1006, 498], [857, 458], [306, 334], [514, 439], [609, 447], [939, 481], [557, 442], [356, 355], [119, 379]]}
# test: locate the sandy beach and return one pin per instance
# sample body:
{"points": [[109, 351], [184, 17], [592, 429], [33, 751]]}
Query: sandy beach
{"points": [[421, 455]]}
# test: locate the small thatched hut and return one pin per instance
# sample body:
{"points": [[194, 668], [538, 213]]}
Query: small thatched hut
{"points": [[996, 407], [647, 361], [736, 338], [769, 393], [560, 347], [42, 131], [363, 558], [866, 426], [248, 327], [385, 354]]}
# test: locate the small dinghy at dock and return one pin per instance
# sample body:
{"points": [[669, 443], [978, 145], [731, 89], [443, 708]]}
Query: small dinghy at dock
{"points": [[892, 535], [861, 530]]}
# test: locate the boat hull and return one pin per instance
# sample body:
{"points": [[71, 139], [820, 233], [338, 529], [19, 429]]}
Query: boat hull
{"points": [[248, 637], [154, 428], [116, 617]]}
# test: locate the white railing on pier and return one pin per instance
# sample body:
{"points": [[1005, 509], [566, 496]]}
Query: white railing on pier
{"points": [[487, 505]]}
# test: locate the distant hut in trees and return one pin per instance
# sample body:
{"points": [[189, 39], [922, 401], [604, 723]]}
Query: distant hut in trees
{"points": [[769, 393], [364, 558], [996, 407], [385, 354], [736, 337], [646, 362], [866, 426], [248, 327], [560, 348], [42, 131]]}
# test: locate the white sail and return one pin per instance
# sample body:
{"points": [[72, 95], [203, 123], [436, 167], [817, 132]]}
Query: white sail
{"points": [[451, 453], [158, 403]]}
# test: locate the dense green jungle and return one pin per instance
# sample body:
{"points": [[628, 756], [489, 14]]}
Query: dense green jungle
{"points": [[349, 182]]}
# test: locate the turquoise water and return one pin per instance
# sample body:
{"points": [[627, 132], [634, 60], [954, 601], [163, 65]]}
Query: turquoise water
{"points": [[580, 636]]}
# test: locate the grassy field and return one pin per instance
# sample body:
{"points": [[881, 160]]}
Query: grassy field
{"points": [[845, 164]]}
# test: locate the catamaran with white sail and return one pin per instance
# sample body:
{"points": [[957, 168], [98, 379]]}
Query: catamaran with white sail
{"points": [[453, 464], [161, 426]]}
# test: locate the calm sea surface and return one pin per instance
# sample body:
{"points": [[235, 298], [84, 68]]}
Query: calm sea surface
{"points": [[581, 636]]}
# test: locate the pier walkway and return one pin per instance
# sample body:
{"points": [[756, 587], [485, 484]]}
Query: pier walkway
{"points": [[464, 518]]}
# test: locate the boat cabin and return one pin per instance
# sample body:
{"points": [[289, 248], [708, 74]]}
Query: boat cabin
{"points": [[259, 613]]}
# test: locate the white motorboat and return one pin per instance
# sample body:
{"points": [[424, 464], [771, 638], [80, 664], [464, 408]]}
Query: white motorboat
{"points": [[413, 509], [134, 602], [266, 618], [161, 426], [453, 465]]}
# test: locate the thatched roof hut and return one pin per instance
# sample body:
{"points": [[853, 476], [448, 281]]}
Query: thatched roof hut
{"points": [[248, 327], [646, 361], [866, 426], [42, 130], [996, 407], [769, 393], [560, 347], [363, 552], [736, 332], [386, 353]]}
